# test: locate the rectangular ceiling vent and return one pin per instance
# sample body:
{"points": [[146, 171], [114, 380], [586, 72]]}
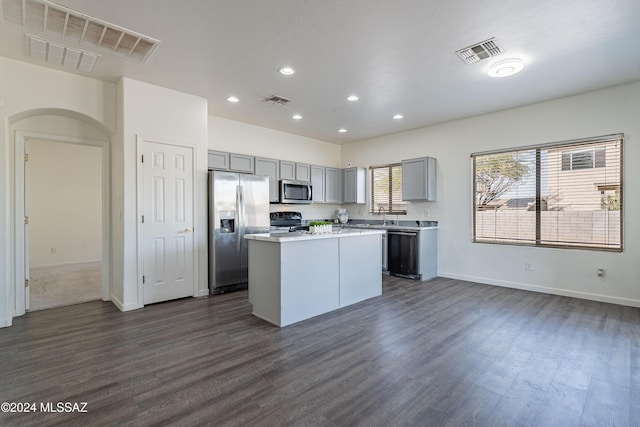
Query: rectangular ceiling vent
{"points": [[67, 24], [59, 55], [277, 100], [480, 51]]}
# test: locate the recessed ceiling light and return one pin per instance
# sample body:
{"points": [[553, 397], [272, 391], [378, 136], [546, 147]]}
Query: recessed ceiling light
{"points": [[506, 67], [233, 99], [296, 117], [352, 98], [287, 71], [398, 116], [342, 130]]}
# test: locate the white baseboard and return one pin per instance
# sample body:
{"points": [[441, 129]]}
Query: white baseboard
{"points": [[65, 264], [124, 307], [545, 290], [202, 293]]}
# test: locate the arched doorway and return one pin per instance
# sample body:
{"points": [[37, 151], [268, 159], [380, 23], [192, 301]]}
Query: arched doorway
{"points": [[67, 135]]}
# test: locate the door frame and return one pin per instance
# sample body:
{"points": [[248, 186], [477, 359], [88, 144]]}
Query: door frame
{"points": [[21, 137], [140, 141]]}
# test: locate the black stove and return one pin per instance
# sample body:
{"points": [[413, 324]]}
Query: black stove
{"points": [[286, 219]]}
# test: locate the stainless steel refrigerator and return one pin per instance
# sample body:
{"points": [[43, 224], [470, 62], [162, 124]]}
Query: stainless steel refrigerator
{"points": [[238, 205]]}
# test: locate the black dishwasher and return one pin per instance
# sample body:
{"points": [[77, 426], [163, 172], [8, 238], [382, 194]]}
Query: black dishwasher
{"points": [[402, 251]]}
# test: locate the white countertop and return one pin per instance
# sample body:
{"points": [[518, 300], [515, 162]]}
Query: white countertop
{"points": [[298, 236], [388, 227]]}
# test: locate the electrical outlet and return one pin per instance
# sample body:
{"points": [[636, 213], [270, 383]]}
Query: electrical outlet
{"points": [[54, 251], [528, 266], [426, 213], [600, 272]]}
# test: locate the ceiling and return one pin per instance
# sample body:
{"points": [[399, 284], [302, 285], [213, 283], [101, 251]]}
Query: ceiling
{"points": [[398, 56]]}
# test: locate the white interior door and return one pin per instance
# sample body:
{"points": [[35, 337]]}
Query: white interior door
{"points": [[167, 230]]}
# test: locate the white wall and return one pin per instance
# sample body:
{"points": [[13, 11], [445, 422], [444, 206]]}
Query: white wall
{"points": [[28, 90], [65, 203], [155, 114], [237, 137], [565, 272]]}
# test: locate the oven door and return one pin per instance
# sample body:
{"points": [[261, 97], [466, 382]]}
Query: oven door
{"points": [[295, 191]]}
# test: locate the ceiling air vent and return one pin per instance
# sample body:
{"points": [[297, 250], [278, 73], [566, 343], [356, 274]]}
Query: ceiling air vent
{"points": [[56, 54], [67, 24], [277, 100], [480, 51]]}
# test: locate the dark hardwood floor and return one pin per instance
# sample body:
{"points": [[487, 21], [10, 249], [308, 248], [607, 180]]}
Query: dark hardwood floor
{"points": [[439, 353]]}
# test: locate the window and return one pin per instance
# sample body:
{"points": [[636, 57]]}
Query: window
{"points": [[583, 159], [566, 194], [386, 190]]}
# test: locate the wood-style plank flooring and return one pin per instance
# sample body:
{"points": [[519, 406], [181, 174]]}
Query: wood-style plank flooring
{"points": [[439, 353]]}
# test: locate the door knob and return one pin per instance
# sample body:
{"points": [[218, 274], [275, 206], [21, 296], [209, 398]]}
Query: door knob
{"points": [[187, 230]]}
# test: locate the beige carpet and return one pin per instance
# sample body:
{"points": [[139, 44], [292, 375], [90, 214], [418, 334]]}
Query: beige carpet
{"points": [[55, 286]]}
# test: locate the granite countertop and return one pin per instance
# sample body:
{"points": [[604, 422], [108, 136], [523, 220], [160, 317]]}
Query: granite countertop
{"points": [[301, 235]]}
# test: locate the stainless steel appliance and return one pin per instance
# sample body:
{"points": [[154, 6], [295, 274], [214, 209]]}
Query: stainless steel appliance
{"points": [[238, 205], [285, 221], [403, 253], [295, 191]]}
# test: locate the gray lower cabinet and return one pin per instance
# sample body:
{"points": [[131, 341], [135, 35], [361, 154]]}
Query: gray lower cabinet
{"points": [[287, 170], [419, 179], [270, 168], [241, 163], [384, 252], [333, 185], [317, 182], [355, 185], [218, 160]]}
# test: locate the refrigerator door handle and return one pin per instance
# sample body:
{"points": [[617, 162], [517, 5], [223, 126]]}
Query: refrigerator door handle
{"points": [[240, 210]]}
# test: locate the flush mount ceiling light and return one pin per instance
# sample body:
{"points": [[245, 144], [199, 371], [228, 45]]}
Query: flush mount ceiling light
{"points": [[297, 117], [287, 71], [233, 99], [342, 130], [506, 67], [398, 117], [352, 98]]}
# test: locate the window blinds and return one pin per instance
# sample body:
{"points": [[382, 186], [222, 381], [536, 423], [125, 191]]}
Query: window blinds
{"points": [[386, 190], [566, 194]]}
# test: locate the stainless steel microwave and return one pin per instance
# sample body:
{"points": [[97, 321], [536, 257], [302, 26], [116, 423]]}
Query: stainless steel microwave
{"points": [[295, 191]]}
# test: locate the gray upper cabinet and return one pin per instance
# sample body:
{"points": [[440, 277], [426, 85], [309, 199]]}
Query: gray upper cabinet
{"points": [[317, 181], [270, 168], [241, 163], [419, 179], [355, 185], [303, 172], [218, 160], [287, 170], [333, 185]]}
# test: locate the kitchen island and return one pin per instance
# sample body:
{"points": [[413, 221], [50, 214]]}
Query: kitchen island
{"points": [[296, 276]]}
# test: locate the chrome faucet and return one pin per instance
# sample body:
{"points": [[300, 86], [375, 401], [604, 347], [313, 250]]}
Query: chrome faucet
{"points": [[384, 218]]}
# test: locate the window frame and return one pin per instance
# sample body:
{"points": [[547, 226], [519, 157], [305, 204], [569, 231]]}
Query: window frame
{"points": [[563, 146], [390, 166]]}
